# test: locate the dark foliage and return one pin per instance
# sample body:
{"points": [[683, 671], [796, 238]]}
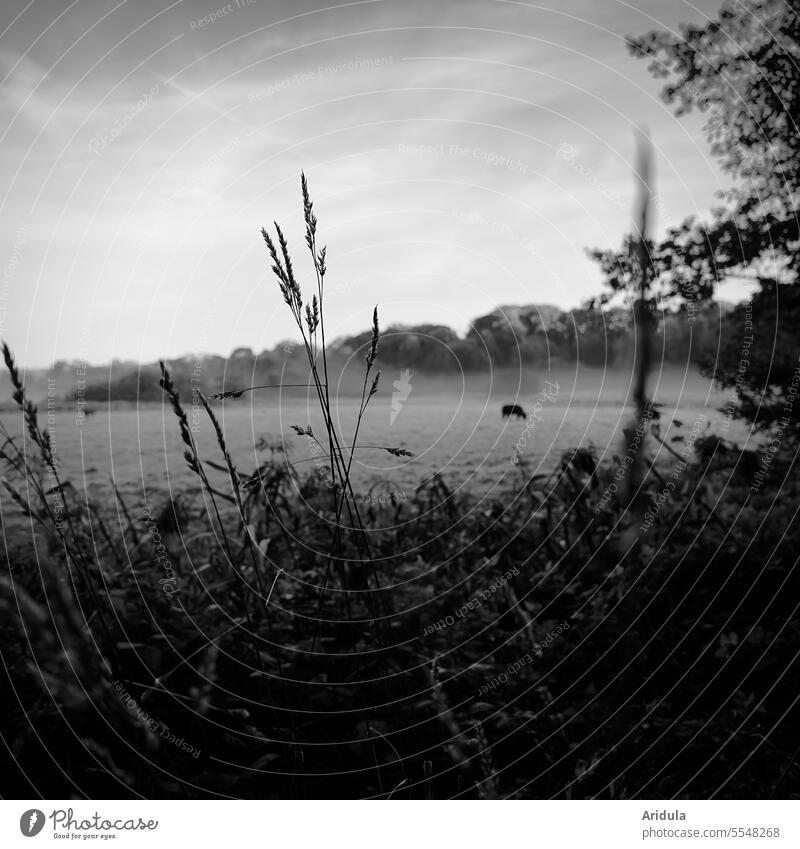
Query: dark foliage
{"points": [[669, 676], [743, 70]]}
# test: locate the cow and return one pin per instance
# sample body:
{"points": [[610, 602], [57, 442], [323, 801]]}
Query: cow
{"points": [[513, 410]]}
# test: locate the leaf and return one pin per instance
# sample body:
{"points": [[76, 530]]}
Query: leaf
{"points": [[217, 466], [261, 762]]}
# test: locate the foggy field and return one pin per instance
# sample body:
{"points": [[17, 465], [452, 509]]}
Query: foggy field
{"points": [[451, 425]]}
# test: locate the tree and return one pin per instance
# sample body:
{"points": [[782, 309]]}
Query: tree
{"points": [[742, 69]]}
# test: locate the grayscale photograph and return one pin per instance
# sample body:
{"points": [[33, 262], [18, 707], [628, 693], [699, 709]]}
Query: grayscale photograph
{"points": [[400, 403]]}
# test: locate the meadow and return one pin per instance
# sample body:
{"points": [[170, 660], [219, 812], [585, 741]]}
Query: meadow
{"points": [[452, 425]]}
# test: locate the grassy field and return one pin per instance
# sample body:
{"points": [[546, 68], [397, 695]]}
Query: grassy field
{"points": [[454, 430]]}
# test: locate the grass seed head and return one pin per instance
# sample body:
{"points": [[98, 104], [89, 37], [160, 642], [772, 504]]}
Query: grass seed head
{"points": [[233, 393], [373, 345], [399, 452], [375, 382]]}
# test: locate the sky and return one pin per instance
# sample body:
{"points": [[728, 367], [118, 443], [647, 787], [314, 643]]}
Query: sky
{"points": [[460, 154]]}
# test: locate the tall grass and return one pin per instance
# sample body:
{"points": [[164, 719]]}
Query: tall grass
{"points": [[354, 562]]}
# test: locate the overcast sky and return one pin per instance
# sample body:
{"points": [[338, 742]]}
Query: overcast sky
{"points": [[144, 147]]}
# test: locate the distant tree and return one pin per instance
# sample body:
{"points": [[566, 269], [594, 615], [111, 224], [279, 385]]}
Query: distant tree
{"points": [[589, 335], [742, 69], [512, 334], [242, 353], [427, 347], [137, 385]]}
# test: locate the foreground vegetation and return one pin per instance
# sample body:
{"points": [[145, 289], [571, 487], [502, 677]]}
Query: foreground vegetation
{"points": [[155, 650]]}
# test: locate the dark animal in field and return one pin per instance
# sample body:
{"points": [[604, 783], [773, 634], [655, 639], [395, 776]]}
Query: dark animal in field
{"points": [[513, 410]]}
